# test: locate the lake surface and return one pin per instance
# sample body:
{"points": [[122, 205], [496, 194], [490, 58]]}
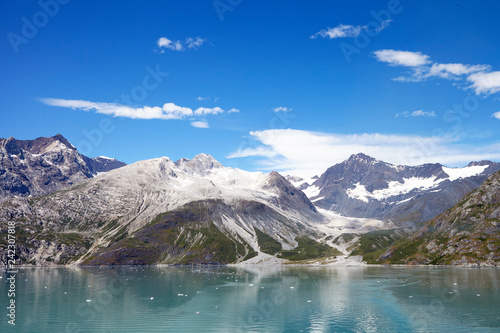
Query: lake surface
{"points": [[266, 299]]}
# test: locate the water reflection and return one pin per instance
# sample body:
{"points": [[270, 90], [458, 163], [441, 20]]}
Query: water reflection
{"points": [[256, 299]]}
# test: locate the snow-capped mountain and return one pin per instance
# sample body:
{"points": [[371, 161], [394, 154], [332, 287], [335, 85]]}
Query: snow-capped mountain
{"points": [[45, 165], [198, 199], [363, 186]]}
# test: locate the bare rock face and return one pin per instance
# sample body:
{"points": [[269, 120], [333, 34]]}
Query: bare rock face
{"points": [[467, 234], [45, 165]]}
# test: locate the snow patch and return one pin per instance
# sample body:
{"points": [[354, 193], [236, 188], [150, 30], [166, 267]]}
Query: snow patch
{"points": [[457, 173], [312, 191], [394, 188]]}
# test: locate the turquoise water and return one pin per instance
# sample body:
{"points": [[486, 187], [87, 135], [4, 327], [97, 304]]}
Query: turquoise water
{"points": [[227, 299]]}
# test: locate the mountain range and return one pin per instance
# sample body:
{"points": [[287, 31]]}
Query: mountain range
{"points": [[363, 186], [72, 209]]}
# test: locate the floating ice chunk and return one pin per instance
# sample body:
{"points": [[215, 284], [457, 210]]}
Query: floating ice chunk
{"points": [[309, 301], [152, 298], [89, 300]]}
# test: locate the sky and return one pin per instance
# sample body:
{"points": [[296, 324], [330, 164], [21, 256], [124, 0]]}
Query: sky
{"points": [[292, 86]]}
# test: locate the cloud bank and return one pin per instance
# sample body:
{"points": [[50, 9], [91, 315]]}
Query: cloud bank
{"points": [[306, 153]]}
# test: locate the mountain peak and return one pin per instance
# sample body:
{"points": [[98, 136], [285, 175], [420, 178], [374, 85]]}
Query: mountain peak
{"points": [[362, 158], [63, 140], [200, 164], [205, 157]]}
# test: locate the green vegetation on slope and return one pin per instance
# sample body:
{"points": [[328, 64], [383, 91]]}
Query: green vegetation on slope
{"points": [[308, 249], [267, 244], [183, 236], [373, 244]]}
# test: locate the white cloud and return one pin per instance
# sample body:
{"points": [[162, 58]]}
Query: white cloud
{"points": [[200, 98], [190, 43], [307, 153], [233, 110], [282, 109], [483, 80], [259, 151], [166, 112], [205, 111], [485, 83], [347, 31], [164, 42], [450, 71], [340, 31], [200, 124], [194, 43], [401, 58], [497, 115], [418, 113], [422, 113]]}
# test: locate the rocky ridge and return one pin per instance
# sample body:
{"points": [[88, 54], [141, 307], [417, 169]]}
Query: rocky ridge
{"points": [[45, 165]]}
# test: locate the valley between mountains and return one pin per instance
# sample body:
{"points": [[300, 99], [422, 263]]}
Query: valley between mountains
{"points": [[71, 209]]}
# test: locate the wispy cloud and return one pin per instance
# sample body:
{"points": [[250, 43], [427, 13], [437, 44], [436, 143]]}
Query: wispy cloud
{"points": [[308, 153], [200, 124], [205, 111], [233, 110], [200, 99], [401, 58], [194, 43], [166, 112], [497, 115], [259, 151], [418, 113], [282, 109], [453, 71], [480, 77], [348, 31], [190, 43]]}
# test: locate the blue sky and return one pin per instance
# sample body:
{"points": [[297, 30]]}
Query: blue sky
{"points": [[293, 86]]}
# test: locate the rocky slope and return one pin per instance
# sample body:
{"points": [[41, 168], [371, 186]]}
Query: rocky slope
{"points": [[44, 165], [467, 234], [158, 211], [363, 186]]}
